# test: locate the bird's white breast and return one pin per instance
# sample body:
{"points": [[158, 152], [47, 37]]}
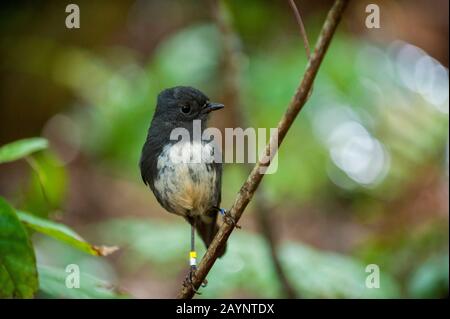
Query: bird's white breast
{"points": [[184, 180]]}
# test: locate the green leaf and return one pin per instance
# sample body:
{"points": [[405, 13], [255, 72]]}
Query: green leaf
{"points": [[64, 234], [53, 285], [18, 274], [21, 148]]}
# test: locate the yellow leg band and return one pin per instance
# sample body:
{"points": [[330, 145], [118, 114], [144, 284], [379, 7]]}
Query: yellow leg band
{"points": [[193, 258]]}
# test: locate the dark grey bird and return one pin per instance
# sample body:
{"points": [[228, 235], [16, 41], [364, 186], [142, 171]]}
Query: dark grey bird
{"points": [[187, 188]]}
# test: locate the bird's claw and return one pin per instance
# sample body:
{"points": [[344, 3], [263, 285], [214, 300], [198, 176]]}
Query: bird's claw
{"points": [[228, 218], [189, 282]]}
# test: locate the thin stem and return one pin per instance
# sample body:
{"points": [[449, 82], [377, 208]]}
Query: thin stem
{"points": [[35, 167], [299, 19]]}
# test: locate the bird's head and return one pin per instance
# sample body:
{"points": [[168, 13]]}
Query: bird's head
{"points": [[183, 104]]}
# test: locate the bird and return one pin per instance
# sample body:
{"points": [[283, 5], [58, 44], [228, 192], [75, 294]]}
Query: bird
{"points": [[190, 189]]}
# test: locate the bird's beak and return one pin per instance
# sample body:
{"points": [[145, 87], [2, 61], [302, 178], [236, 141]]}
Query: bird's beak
{"points": [[210, 106]]}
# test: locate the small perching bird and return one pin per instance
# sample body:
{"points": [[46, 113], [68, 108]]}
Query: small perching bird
{"points": [[183, 185]]}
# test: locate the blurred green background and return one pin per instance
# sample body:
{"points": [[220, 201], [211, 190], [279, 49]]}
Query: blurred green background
{"points": [[362, 176]]}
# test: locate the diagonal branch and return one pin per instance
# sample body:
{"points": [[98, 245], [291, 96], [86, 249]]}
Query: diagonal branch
{"points": [[254, 179]]}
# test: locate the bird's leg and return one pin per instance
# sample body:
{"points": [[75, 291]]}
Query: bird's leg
{"points": [[193, 263], [227, 217]]}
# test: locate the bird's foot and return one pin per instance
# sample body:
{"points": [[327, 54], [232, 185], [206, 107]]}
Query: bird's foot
{"points": [[228, 218], [189, 282]]}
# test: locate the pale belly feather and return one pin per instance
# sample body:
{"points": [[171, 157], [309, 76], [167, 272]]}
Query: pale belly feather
{"points": [[185, 181]]}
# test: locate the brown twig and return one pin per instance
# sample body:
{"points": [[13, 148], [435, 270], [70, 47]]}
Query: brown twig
{"points": [[231, 94], [254, 179], [299, 19]]}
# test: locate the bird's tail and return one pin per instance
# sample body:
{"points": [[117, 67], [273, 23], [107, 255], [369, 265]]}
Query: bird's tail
{"points": [[207, 229]]}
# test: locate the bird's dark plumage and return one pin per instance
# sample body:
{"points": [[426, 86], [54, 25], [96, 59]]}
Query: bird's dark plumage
{"points": [[191, 190]]}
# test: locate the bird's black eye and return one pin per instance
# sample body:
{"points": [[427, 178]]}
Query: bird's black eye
{"points": [[185, 109]]}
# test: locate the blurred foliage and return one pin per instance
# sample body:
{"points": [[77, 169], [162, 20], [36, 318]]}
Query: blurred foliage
{"points": [[315, 274], [417, 258], [53, 286], [349, 93], [375, 126], [18, 268], [46, 191], [200, 47], [431, 278]]}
